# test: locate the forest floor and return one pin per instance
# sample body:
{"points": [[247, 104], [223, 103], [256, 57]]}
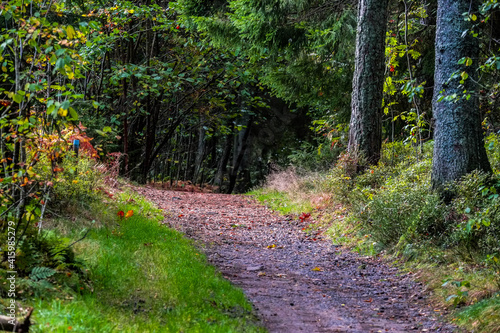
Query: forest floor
{"points": [[298, 282]]}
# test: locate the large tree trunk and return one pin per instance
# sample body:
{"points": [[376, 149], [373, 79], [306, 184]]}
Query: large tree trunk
{"points": [[365, 132], [458, 139]]}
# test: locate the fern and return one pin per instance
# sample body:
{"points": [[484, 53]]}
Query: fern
{"points": [[41, 273]]}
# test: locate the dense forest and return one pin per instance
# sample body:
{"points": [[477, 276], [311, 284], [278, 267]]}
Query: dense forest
{"points": [[218, 95]]}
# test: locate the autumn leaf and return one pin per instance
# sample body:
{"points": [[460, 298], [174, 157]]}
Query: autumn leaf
{"points": [[272, 246], [129, 214], [304, 216], [317, 269]]}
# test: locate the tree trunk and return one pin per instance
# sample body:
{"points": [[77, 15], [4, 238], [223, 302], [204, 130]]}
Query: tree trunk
{"points": [[458, 140], [365, 132], [221, 168], [200, 152], [239, 157], [151, 124]]}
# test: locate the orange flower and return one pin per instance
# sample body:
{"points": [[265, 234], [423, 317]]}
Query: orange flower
{"points": [[129, 214]]}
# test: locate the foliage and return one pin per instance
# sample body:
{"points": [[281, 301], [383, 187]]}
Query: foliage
{"points": [[41, 273], [303, 52]]}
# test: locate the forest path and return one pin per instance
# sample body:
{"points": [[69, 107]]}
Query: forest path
{"points": [[296, 283]]}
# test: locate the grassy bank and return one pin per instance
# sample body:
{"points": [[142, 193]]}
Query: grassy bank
{"points": [[389, 210], [130, 273]]}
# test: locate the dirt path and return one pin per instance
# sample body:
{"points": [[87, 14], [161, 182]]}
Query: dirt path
{"points": [[297, 283]]}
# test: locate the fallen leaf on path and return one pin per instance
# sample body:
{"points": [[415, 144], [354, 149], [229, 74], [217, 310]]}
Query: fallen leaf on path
{"points": [[317, 269]]}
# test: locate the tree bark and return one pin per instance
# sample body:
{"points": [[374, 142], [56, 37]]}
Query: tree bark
{"points": [[200, 151], [237, 163], [458, 140], [221, 168], [151, 124], [365, 131]]}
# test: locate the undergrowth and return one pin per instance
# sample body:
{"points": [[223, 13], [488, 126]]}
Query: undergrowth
{"points": [[389, 209], [105, 262]]}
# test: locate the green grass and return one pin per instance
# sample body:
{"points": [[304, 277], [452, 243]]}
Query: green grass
{"points": [[281, 202], [144, 277], [482, 317]]}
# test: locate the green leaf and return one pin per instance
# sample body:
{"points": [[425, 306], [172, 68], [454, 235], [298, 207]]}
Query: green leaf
{"points": [[70, 32], [18, 98], [449, 298], [41, 273], [52, 110], [65, 105], [60, 65], [73, 114]]}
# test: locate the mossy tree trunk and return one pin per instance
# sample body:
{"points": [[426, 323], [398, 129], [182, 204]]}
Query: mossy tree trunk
{"points": [[458, 139], [365, 132]]}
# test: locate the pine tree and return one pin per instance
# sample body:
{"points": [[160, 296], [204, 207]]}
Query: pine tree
{"points": [[365, 133]]}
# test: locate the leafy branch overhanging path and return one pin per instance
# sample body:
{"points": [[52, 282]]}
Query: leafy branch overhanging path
{"points": [[297, 283]]}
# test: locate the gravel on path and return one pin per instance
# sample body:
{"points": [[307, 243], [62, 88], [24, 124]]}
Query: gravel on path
{"points": [[297, 283]]}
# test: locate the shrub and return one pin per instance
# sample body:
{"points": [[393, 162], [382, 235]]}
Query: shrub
{"points": [[478, 207], [402, 210]]}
